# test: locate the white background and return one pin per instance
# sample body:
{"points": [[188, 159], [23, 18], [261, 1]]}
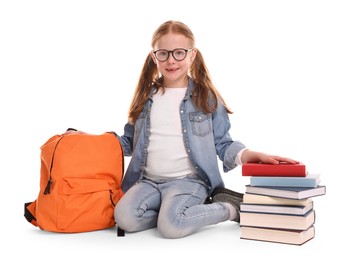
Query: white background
{"points": [[284, 67]]}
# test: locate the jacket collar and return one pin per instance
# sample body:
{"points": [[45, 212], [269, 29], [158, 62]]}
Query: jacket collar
{"points": [[189, 91]]}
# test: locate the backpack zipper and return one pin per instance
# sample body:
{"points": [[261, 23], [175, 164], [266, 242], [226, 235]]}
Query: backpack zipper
{"points": [[48, 186]]}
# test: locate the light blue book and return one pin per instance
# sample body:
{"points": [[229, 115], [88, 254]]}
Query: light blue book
{"points": [[310, 181]]}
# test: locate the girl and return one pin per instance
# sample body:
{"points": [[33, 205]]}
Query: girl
{"points": [[177, 128]]}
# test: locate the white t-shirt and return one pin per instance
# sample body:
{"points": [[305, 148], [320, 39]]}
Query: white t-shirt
{"points": [[167, 157]]}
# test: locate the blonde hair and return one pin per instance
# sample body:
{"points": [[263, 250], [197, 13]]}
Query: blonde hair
{"points": [[205, 96]]}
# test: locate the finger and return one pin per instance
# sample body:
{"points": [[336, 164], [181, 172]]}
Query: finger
{"points": [[287, 160]]}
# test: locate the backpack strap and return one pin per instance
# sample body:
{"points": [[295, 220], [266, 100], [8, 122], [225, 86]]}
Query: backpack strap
{"points": [[29, 212], [120, 232]]}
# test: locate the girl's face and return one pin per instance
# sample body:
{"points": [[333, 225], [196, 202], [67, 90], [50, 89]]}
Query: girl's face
{"points": [[174, 68]]}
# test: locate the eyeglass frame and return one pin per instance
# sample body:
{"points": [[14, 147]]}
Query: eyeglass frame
{"points": [[172, 53]]}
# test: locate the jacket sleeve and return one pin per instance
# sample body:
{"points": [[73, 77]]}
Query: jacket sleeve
{"points": [[126, 139], [226, 148]]}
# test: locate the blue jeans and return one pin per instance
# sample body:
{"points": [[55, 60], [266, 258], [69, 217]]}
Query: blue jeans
{"points": [[176, 207]]}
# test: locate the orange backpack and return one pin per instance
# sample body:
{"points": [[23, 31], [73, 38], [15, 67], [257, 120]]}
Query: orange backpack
{"points": [[80, 179]]}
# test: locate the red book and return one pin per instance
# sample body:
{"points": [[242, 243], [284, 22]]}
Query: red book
{"points": [[281, 169]]}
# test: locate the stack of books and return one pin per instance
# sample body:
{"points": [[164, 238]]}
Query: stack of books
{"points": [[278, 203]]}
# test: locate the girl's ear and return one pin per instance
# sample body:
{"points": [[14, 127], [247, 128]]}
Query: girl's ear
{"points": [[153, 56], [194, 54]]}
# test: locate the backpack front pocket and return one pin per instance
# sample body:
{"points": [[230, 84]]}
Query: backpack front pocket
{"points": [[85, 204]]}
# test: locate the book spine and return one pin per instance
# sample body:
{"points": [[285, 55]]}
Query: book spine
{"points": [[261, 199], [258, 169], [279, 221], [289, 182], [276, 209], [278, 236]]}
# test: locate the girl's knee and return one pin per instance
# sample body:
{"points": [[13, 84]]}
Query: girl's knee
{"points": [[171, 229], [121, 216]]}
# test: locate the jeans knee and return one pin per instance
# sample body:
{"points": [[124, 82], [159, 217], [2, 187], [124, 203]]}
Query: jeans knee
{"points": [[125, 218], [171, 229], [121, 217]]}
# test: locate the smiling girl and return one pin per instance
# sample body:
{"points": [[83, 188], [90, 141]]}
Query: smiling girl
{"points": [[178, 127]]}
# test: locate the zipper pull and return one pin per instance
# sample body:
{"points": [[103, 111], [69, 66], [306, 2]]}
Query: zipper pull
{"points": [[47, 188]]}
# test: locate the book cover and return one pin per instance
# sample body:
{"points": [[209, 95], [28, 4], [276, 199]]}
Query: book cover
{"points": [[277, 209], [279, 221], [285, 236], [309, 181], [287, 192], [281, 169], [263, 199]]}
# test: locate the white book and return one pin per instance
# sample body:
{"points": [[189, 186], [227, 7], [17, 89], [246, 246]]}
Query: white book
{"points": [[285, 236], [280, 221], [262, 199], [277, 209], [287, 192]]}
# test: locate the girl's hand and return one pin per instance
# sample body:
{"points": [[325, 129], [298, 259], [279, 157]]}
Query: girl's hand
{"points": [[249, 156], [73, 132]]}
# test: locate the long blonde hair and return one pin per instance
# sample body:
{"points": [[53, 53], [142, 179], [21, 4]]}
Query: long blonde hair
{"points": [[205, 96]]}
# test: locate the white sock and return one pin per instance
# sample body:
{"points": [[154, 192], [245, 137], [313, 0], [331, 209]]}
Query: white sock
{"points": [[232, 209]]}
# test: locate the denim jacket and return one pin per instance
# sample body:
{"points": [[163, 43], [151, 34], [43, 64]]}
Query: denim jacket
{"points": [[206, 138]]}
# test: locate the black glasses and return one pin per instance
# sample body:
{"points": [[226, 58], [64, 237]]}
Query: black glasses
{"points": [[179, 54]]}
